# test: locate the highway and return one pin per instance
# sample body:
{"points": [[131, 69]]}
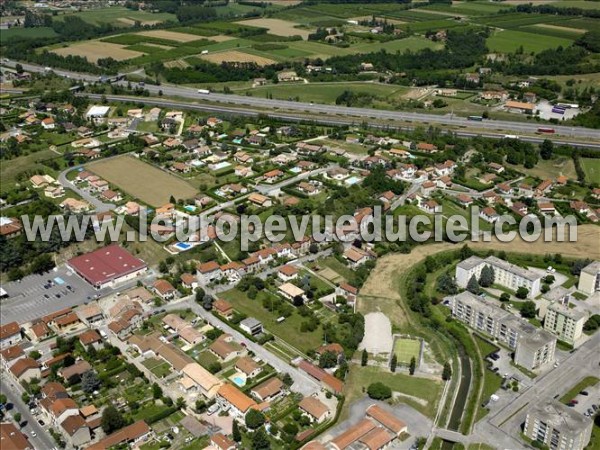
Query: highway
{"points": [[291, 110]]}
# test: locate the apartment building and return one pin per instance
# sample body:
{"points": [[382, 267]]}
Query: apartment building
{"points": [[564, 322], [533, 347], [558, 426], [589, 279], [506, 274]]}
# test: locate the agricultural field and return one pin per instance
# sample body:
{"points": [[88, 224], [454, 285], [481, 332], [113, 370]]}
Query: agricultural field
{"points": [[278, 27], [141, 180], [17, 32], [120, 16], [508, 41], [95, 50], [169, 35], [405, 349], [236, 56]]}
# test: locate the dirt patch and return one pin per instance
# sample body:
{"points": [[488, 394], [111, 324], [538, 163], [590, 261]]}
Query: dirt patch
{"points": [[170, 35], [378, 334], [149, 184], [278, 27], [95, 50], [126, 21], [221, 38], [559, 28], [164, 47], [236, 56]]}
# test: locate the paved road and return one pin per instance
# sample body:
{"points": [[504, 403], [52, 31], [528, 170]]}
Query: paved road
{"points": [[564, 134], [98, 204], [43, 441], [302, 382]]}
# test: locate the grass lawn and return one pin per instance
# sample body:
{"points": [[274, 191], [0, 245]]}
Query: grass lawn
{"points": [[561, 165], [206, 358], [288, 330], [118, 16], [332, 263], [591, 167], [149, 410], [406, 349], [158, 367], [12, 170], [586, 382], [422, 388], [326, 92], [508, 41]]}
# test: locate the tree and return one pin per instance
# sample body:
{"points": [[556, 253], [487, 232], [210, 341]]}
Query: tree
{"points": [[364, 358], [207, 302], [25, 397], [473, 286], [287, 379], [89, 381], [235, 432], [504, 297], [413, 366], [112, 420], [35, 354], [327, 360], [254, 419], [200, 295], [393, 363], [156, 391], [260, 441], [593, 323], [486, 279], [522, 292], [447, 372], [379, 391], [528, 309], [446, 284], [17, 417], [546, 149]]}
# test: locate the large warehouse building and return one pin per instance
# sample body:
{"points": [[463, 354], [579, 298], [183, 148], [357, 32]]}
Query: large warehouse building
{"points": [[107, 266]]}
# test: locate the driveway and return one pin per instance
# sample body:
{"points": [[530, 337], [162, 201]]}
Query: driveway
{"points": [[99, 205]]}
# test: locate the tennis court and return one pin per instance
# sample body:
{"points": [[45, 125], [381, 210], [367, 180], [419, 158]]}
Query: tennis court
{"points": [[406, 348]]}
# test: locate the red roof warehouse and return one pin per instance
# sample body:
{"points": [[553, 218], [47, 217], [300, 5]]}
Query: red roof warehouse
{"points": [[107, 266]]}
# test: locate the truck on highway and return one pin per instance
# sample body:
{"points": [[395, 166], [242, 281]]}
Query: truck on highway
{"points": [[475, 118], [203, 91], [511, 136], [47, 69], [546, 130]]}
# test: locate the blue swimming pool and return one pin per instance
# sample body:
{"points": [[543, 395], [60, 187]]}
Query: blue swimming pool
{"points": [[190, 208], [183, 246], [239, 380]]}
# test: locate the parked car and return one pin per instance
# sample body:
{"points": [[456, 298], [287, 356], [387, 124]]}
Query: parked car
{"points": [[41, 422], [584, 393]]}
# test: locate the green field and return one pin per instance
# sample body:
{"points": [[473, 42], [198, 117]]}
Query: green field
{"points": [[508, 41], [158, 367], [41, 32], [326, 92], [288, 330], [591, 167], [406, 349], [116, 15], [425, 389]]}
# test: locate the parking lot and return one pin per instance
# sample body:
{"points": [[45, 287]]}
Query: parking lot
{"points": [[37, 295], [585, 403]]}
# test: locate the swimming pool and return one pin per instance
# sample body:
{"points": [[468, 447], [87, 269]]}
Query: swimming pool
{"points": [[352, 180], [183, 246], [239, 380], [190, 208]]}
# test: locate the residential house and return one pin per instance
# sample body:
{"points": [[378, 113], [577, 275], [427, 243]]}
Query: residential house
{"points": [[287, 272], [268, 390], [248, 367], [76, 430], [223, 349], [208, 272], [544, 187], [316, 410], [489, 214], [10, 334], [132, 434], [495, 167], [164, 289], [223, 308], [464, 200], [431, 206], [25, 369], [75, 371], [347, 291], [356, 256], [234, 401], [260, 200], [91, 337], [251, 326]]}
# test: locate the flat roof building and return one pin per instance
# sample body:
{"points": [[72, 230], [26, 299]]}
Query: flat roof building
{"points": [[107, 266], [564, 322], [557, 426], [506, 274], [589, 278], [533, 347]]}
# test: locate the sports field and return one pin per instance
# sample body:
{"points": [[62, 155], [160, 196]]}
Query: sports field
{"points": [[405, 349], [141, 180]]}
